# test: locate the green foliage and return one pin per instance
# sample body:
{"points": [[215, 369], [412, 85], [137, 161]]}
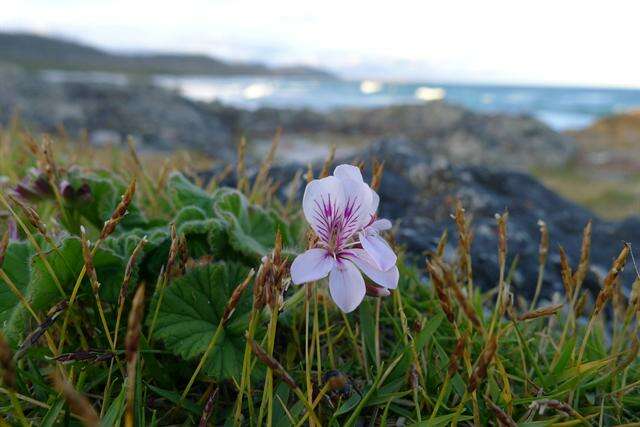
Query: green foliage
{"points": [[395, 355], [191, 310]]}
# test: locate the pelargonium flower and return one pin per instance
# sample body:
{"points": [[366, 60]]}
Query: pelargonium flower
{"points": [[341, 209]]}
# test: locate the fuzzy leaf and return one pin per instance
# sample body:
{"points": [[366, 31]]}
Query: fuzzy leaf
{"points": [[183, 193], [190, 312]]}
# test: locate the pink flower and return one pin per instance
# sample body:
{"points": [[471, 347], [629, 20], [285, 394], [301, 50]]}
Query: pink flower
{"points": [[341, 209]]}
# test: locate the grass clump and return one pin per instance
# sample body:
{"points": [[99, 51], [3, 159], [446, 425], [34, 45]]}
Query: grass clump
{"points": [[137, 296]]}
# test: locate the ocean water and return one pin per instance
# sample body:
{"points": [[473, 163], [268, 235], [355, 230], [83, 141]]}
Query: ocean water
{"points": [[562, 108]]}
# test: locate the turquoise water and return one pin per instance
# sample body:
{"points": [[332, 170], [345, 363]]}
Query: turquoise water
{"points": [[560, 107]]}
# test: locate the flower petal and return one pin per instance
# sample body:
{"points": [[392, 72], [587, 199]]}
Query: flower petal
{"points": [[379, 250], [381, 225], [346, 286], [357, 211], [375, 201], [322, 202], [388, 279], [348, 172], [312, 265]]}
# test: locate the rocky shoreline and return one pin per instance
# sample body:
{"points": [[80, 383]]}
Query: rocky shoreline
{"points": [[434, 154], [160, 119]]}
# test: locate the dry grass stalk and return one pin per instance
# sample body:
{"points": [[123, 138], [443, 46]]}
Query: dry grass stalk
{"points": [[611, 279], [272, 363], [132, 342], [456, 356], [120, 211], [567, 275], [541, 312], [309, 175], [378, 170], [90, 355], [459, 296], [31, 215], [328, 161], [464, 244], [632, 353], [6, 364], [42, 328], [241, 172], [260, 182], [441, 293], [78, 403], [88, 261], [543, 254], [501, 416], [235, 297], [208, 409], [4, 244], [543, 247], [480, 370], [442, 243], [50, 167], [583, 266], [502, 238], [173, 251], [124, 289]]}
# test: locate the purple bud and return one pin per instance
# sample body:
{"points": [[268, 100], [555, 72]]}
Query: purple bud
{"points": [[84, 192], [377, 291], [66, 189]]}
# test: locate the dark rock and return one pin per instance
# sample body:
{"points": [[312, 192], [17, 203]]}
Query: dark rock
{"points": [[420, 195], [160, 119]]}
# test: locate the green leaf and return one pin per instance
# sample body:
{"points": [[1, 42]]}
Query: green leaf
{"points": [[252, 229], [183, 193], [191, 310], [66, 262], [105, 194], [16, 267]]}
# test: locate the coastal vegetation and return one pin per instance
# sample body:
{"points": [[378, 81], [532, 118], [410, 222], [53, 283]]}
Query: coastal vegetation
{"points": [[136, 292]]}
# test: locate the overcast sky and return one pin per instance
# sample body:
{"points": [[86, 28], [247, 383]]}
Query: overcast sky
{"points": [[511, 41]]}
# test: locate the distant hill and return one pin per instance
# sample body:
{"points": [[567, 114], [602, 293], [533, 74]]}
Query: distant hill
{"points": [[38, 52]]}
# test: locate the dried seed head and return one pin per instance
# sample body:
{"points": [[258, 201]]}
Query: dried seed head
{"points": [[120, 211], [208, 409], [503, 418], [328, 161], [90, 356], [129, 270], [612, 278], [567, 276], [378, 170], [272, 363], [583, 266], [31, 215], [42, 328], [4, 244], [133, 326], [543, 248], [414, 380], [443, 297], [458, 352], [485, 359], [442, 243], [6, 364], [502, 237], [174, 249], [78, 403], [462, 224], [541, 312], [88, 261], [235, 297], [460, 297], [132, 342]]}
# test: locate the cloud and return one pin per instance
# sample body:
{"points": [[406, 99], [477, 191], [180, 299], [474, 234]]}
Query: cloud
{"points": [[544, 41]]}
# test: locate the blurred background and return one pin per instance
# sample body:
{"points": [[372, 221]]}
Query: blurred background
{"points": [[547, 88]]}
